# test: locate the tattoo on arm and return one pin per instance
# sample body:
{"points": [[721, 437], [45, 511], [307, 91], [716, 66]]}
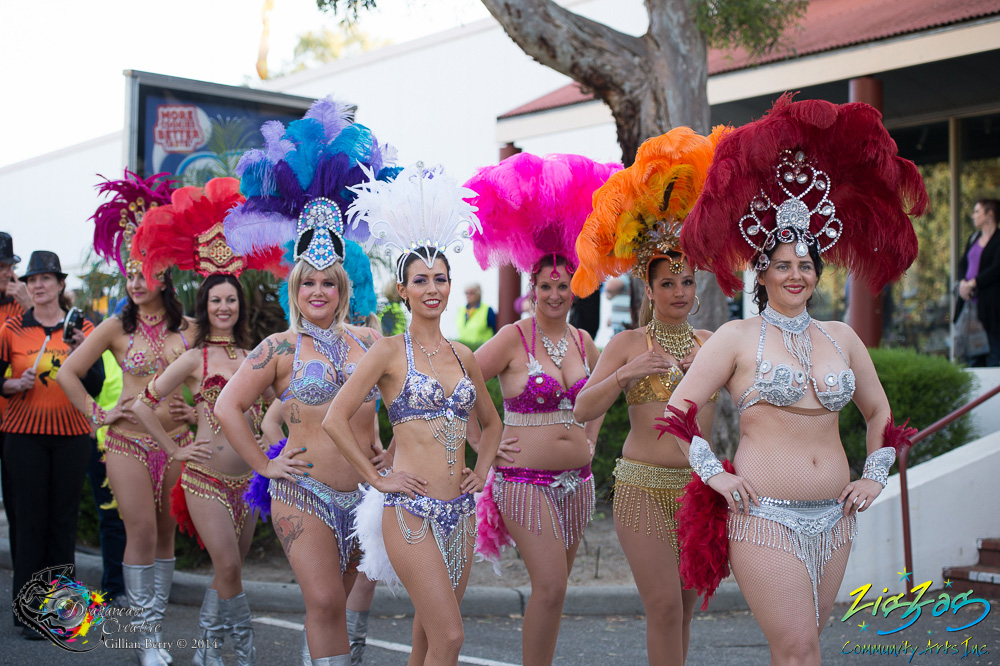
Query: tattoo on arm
{"points": [[288, 529], [284, 347], [294, 416], [261, 356]]}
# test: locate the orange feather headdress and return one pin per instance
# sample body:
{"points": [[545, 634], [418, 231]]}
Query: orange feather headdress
{"points": [[638, 212]]}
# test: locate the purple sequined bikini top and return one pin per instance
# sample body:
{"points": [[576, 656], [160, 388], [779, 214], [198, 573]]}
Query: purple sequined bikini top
{"points": [[543, 393], [422, 397]]}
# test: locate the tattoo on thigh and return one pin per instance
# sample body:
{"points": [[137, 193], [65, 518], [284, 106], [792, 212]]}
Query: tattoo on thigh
{"points": [[260, 356], [294, 415], [288, 530]]}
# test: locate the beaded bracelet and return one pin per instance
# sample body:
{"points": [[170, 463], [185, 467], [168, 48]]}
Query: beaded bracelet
{"points": [[97, 414], [877, 465], [149, 396]]}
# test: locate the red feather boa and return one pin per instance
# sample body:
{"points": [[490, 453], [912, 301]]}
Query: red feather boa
{"points": [[703, 536], [898, 437], [680, 424], [179, 510]]}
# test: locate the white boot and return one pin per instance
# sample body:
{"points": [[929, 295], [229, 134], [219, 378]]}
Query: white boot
{"points": [[213, 631], [164, 580], [339, 660], [306, 659], [236, 616], [140, 581], [357, 634]]}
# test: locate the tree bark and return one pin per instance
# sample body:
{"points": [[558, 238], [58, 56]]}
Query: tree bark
{"points": [[651, 83]]}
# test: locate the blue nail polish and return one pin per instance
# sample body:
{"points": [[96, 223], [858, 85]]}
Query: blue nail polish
{"points": [[303, 448], [305, 473], [310, 465]]}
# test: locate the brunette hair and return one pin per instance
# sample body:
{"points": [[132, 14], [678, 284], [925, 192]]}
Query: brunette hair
{"points": [[242, 329], [334, 272], [990, 206], [760, 291], [421, 253], [175, 311]]}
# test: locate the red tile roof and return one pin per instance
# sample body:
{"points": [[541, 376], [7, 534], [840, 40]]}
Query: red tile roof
{"points": [[827, 25]]}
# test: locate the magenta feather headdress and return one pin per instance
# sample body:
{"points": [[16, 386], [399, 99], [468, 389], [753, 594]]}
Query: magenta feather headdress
{"points": [[115, 221], [531, 207]]}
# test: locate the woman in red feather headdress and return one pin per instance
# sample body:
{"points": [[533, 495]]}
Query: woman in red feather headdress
{"points": [[809, 181], [207, 500]]}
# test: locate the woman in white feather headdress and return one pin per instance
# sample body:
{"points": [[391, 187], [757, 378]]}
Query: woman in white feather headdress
{"points": [[430, 399]]}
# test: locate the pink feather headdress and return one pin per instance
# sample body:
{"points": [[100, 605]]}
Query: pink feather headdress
{"points": [[116, 221], [532, 207]]}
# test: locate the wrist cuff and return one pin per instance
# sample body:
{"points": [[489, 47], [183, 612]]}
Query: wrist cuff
{"points": [[877, 465], [702, 460]]}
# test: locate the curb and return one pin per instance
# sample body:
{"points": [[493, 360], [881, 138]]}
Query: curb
{"points": [[189, 589]]}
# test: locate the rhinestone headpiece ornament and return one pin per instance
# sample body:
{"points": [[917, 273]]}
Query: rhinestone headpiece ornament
{"points": [[212, 254], [116, 221], [422, 211], [792, 217], [320, 231]]}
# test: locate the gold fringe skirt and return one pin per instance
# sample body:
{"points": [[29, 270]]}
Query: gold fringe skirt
{"points": [[650, 490]]}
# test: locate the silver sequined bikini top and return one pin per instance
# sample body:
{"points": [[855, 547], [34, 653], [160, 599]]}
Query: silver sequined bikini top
{"points": [[786, 386]]}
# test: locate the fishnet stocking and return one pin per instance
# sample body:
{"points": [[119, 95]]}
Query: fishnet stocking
{"points": [[643, 535], [437, 621], [311, 548]]}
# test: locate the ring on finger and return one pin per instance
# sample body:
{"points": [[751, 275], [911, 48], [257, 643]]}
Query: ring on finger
{"points": [[737, 496]]}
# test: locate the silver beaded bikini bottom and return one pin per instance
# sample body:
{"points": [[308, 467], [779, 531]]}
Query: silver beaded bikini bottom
{"points": [[333, 507], [452, 522], [811, 529]]}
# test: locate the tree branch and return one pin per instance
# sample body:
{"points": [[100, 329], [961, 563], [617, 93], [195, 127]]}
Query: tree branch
{"points": [[591, 53]]}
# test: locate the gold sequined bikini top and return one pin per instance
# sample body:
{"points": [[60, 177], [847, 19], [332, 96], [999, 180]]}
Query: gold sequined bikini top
{"points": [[658, 388]]}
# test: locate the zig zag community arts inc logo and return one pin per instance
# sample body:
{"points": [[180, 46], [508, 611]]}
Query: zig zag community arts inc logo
{"points": [[61, 608], [903, 613]]}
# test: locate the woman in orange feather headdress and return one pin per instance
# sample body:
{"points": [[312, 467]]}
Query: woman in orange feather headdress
{"points": [[635, 226]]}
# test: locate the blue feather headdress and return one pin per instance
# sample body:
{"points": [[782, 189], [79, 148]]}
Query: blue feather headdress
{"points": [[318, 157]]}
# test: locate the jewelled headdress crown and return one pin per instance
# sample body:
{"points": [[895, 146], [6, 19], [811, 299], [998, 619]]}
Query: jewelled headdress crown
{"points": [[116, 221], [420, 212], [799, 180], [638, 213], [188, 233], [808, 173], [320, 231]]}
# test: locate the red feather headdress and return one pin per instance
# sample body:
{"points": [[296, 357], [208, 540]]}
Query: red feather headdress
{"points": [[808, 172], [188, 233]]}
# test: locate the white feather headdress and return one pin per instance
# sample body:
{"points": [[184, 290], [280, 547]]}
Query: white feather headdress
{"points": [[419, 211]]}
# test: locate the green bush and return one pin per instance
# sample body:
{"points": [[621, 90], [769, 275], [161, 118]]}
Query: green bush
{"points": [[921, 388]]}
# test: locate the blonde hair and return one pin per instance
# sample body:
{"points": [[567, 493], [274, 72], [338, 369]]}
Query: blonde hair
{"points": [[336, 273]]}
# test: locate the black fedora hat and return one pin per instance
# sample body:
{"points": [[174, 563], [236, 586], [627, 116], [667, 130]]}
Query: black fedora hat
{"points": [[43, 261], [7, 255]]}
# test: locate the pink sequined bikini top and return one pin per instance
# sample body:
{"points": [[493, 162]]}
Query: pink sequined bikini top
{"points": [[543, 393]]}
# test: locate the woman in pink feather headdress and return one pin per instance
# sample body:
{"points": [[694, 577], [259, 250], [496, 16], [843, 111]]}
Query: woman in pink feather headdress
{"points": [[811, 181], [541, 490]]}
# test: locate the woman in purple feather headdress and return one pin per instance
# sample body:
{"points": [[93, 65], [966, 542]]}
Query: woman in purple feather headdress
{"points": [[541, 491], [296, 192], [150, 333]]}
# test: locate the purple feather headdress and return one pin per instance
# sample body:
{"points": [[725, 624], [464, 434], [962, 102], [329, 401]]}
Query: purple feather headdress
{"points": [[115, 221], [532, 207], [321, 155]]}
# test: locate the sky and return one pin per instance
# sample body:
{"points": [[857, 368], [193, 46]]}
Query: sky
{"points": [[64, 58]]}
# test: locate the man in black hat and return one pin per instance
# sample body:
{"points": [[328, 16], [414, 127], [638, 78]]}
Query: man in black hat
{"points": [[14, 301]]}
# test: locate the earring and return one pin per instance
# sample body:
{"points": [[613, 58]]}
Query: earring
{"points": [[697, 306], [651, 308]]}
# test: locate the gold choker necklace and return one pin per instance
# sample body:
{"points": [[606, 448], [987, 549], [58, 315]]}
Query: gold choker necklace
{"points": [[227, 341], [676, 339], [152, 319]]}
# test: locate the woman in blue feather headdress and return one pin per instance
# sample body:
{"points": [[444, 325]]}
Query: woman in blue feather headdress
{"points": [[296, 190]]}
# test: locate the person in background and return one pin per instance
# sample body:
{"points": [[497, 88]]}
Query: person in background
{"points": [[618, 291], [47, 442], [13, 302], [979, 288], [477, 322], [393, 321]]}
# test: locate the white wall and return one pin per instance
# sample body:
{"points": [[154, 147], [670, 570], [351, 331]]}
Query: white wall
{"points": [[953, 502], [47, 200]]}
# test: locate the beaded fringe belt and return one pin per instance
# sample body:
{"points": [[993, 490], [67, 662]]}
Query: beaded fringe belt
{"points": [[562, 417], [144, 448], [520, 491], [333, 507], [451, 521], [224, 488], [810, 529], [637, 484]]}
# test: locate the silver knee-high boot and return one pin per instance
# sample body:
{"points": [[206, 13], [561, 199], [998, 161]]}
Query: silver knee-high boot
{"points": [[140, 582], [306, 659], [213, 631], [357, 634], [339, 660], [164, 580], [236, 616]]}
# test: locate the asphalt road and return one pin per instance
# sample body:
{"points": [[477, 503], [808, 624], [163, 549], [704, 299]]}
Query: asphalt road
{"points": [[717, 639]]}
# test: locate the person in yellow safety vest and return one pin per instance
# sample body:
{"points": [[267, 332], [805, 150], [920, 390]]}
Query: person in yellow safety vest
{"points": [[477, 323]]}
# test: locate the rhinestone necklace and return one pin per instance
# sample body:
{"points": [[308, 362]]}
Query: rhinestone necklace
{"points": [[794, 334], [328, 342], [676, 339], [555, 350], [429, 354], [227, 341]]}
